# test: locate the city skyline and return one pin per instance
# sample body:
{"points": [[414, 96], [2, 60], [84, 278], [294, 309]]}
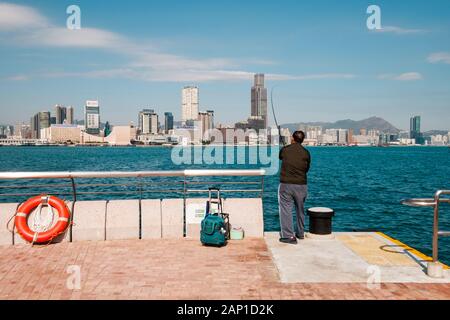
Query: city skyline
{"points": [[254, 110], [322, 60]]}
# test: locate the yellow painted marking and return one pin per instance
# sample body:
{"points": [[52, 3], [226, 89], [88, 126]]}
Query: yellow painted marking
{"points": [[377, 252], [411, 250]]}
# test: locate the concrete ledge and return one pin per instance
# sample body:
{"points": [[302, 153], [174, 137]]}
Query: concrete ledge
{"points": [[7, 210], [89, 221], [172, 218], [246, 213], [151, 219], [122, 220]]}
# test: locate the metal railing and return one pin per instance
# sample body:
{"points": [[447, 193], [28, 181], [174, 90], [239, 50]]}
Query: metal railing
{"points": [[139, 183], [138, 188], [434, 203]]}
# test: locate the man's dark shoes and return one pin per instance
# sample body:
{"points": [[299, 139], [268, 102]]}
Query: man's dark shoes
{"points": [[291, 240], [299, 237]]}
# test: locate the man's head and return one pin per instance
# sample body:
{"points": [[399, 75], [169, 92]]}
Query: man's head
{"points": [[298, 137]]}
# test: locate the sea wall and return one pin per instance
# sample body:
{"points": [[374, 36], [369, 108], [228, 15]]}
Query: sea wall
{"points": [[145, 219]]}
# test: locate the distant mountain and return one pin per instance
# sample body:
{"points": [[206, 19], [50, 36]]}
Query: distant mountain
{"points": [[369, 124]]}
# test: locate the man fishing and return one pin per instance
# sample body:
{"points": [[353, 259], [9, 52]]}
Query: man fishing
{"points": [[293, 189]]}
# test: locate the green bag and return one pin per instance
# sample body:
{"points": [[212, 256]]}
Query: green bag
{"points": [[213, 232]]}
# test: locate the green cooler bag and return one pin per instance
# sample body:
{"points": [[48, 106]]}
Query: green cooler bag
{"points": [[213, 232]]}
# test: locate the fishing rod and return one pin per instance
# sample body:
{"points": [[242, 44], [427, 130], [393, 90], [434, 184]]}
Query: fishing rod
{"points": [[280, 140]]}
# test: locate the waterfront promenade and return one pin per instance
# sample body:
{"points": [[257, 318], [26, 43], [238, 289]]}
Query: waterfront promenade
{"points": [[174, 269]]}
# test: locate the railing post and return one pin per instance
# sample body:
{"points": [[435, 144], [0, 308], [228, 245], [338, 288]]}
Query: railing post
{"points": [[140, 206], [262, 186], [184, 205], [437, 197], [74, 195]]}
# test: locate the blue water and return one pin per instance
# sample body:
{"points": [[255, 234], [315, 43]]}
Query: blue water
{"points": [[363, 185]]}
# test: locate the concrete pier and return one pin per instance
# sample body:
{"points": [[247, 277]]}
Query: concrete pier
{"points": [[184, 269]]}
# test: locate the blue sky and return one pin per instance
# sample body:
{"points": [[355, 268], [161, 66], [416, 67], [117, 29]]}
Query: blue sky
{"points": [[325, 63]]}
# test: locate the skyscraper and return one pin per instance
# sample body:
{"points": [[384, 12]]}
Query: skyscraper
{"points": [[207, 123], [414, 129], [414, 126], [92, 117], [168, 121], [69, 115], [259, 99], [60, 114], [154, 123], [144, 120], [189, 103], [40, 120]]}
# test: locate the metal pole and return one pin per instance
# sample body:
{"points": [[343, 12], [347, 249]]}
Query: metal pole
{"points": [[140, 206], [74, 194], [184, 206], [436, 227], [262, 187]]}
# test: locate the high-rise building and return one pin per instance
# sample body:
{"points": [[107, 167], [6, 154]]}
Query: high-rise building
{"points": [[7, 131], [207, 123], [342, 136], [92, 117], [189, 103], [22, 131], [144, 120], [60, 114], [107, 130], [414, 130], [312, 132], [154, 123], [39, 121], [69, 115], [211, 124], [350, 136], [168, 121], [259, 99]]}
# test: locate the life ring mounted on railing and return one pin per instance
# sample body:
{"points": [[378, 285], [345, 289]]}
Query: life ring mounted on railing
{"points": [[21, 219]]}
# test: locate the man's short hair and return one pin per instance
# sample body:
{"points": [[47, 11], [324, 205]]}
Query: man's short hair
{"points": [[299, 136]]}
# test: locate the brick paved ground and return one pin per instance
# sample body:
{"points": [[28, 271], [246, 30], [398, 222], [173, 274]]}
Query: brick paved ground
{"points": [[172, 269]]}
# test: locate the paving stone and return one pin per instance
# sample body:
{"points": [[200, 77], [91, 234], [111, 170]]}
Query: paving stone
{"points": [[172, 269]]}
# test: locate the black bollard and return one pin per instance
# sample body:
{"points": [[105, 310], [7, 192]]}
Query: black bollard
{"points": [[320, 220]]}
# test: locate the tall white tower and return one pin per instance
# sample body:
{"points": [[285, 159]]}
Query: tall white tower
{"points": [[189, 103]]}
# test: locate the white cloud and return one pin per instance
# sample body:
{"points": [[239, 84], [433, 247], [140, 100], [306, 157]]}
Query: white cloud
{"points": [[399, 30], [311, 76], [19, 77], [408, 76], [185, 75], [438, 57], [63, 37], [14, 17], [27, 27]]}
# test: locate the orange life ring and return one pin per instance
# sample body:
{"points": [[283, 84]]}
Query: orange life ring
{"points": [[21, 220]]}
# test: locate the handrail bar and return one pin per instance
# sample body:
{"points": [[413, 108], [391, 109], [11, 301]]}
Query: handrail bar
{"points": [[437, 199], [129, 174], [433, 203]]}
